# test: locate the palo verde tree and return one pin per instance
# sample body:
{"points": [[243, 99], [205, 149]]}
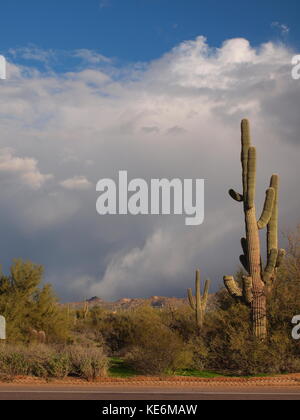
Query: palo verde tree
{"points": [[28, 304], [257, 285]]}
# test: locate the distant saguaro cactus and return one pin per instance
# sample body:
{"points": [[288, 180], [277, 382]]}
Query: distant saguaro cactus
{"points": [[258, 284], [42, 337], [33, 333], [85, 309], [199, 303], [39, 336]]}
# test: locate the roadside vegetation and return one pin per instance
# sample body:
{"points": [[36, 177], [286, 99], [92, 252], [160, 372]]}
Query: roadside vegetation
{"points": [[92, 342]]}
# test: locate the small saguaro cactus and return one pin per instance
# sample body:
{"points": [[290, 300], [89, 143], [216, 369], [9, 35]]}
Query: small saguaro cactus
{"points": [[259, 282], [85, 309], [199, 303], [68, 312], [35, 335]]}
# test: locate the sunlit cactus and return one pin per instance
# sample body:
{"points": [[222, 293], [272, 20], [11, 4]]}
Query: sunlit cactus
{"points": [[199, 303], [85, 309], [259, 282], [37, 336]]}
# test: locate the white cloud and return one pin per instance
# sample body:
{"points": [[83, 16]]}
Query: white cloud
{"points": [[25, 169], [162, 257], [91, 56], [76, 183], [32, 52], [283, 28]]}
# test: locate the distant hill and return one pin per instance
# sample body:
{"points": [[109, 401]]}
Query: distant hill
{"points": [[131, 303]]}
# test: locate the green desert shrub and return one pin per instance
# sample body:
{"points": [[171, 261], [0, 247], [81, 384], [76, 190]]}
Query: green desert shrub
{"points": [[37, 360], [13, 362], [232, 348], [156, 349], [199, 351], [59, 365], [247, 356], [38, 357], [88, 362], [181, 320], [52, 362], [117, 330]]}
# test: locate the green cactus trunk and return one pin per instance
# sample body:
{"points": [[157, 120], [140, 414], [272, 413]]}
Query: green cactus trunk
{"points": [[199, 303], [259, 302], [259, 283], [85, 310]]}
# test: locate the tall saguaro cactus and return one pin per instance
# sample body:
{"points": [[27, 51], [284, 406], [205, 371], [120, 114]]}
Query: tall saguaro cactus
{"points": [[259, 282], [199, 303]]}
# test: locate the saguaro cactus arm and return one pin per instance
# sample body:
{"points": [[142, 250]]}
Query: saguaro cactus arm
{"points": [[205, 294], [280, 257], [231, 285], [236, 196], [244, 246], [251, 177], [274, 256], [272, 229], [244, 294], [191, 299], [247, 290], [268, 208], [244, 262]]}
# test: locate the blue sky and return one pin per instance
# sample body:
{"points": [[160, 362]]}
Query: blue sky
{"points": [[141, 30], [155, 87]]}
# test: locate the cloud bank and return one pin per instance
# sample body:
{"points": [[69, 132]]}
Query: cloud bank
{"points": [[177, 116]]}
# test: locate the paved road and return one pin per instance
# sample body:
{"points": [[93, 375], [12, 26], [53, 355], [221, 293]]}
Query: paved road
{"points": [[14, 392]]}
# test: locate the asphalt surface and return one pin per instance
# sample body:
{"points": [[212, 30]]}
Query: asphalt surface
{"points": [[98, 393]]}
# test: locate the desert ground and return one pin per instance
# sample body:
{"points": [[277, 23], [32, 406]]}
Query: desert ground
{"points": [[284, 387]]}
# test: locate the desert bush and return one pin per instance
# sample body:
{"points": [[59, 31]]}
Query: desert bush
{"points": [[59, 365], [155, 349], [199, 351], [38, 357], [231, 346], [88, 363], [180, 320], [117, 331], [52, 362], [37, 360], [247, 356], [153, 341], [228, 336], [13, 362]]}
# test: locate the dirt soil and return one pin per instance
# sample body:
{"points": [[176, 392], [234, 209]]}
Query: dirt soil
{"points": [[292, 380]]}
